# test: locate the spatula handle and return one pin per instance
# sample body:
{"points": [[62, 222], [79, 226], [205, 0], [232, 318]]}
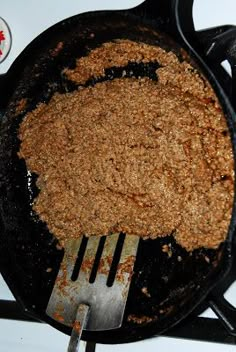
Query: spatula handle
{"points": [[78, 326]]}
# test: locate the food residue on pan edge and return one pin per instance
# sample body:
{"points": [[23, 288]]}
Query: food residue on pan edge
{"points": [[134, 155]]}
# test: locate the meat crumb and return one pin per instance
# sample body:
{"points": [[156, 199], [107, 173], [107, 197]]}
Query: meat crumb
{"points": [[166, 248], [145, 292], [140, 319]]}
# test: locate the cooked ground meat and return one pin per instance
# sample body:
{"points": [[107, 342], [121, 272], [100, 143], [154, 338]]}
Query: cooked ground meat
{"points": [[121, 52], [133, 155], [117, 53]]}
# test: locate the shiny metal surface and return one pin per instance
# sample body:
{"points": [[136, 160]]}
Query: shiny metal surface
{"points": [[107, 304]]}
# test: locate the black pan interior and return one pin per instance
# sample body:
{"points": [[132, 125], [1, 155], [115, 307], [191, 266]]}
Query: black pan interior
{"points": [[176, 283]]}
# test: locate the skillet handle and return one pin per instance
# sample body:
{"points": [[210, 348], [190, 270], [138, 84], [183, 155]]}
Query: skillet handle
{"points": [[172, 16], [225, 312], [219, 44]]}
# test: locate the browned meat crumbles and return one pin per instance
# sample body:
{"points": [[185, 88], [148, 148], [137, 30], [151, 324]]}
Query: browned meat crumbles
{"points": [[121, 52], [117, 53], [133, 155]]}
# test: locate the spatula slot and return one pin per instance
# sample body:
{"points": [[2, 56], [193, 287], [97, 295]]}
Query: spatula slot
{"points": [[97, 259], [79, 259], [115, 260]]}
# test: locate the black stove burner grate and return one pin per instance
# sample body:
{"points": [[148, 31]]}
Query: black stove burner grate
{"points": [[193, 328]]}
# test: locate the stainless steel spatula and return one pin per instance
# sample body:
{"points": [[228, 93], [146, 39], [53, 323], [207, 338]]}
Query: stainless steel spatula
{"points": [[92, 284]]}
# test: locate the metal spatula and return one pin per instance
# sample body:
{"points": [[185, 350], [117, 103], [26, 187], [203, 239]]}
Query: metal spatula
{"points": [[92, 284]]}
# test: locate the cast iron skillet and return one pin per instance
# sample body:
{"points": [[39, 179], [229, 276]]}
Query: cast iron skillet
{"points": [[27, 248]]}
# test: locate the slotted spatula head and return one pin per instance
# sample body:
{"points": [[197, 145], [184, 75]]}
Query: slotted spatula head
{"points": [[95, 272]]}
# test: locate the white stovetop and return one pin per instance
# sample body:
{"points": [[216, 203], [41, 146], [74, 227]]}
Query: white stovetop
{"points": [[26, 19]]}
